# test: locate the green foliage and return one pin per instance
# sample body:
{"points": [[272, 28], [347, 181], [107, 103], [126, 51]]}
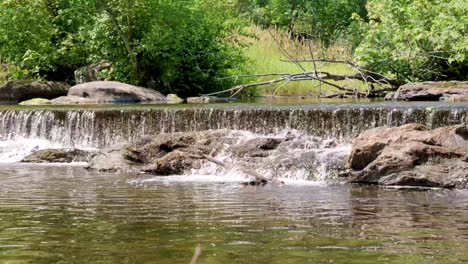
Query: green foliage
{"points": [[416, 40], [178, 46], [326, 21]]}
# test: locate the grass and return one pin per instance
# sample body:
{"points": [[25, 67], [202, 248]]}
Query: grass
{"points": [[269, 47]]}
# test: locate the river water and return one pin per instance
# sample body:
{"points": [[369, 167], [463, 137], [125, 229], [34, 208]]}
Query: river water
{"points": [[66, 214]]}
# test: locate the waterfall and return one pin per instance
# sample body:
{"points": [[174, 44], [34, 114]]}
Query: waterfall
{"points": [[99, 128]]}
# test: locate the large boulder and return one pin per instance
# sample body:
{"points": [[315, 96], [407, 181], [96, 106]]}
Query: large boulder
{"points": [[431, 91], [411, 155], [18, 91], [115, 92], [59, 156]]}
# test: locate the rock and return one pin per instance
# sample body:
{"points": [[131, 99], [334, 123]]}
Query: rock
{"points": [[36, 101], [162, 154], [112, 160], [198, 100], [18, 91], [174, 99], [65, 100], [411, 155], [59, 156], [115, 92], [174, 163], [92, 73], [455, 98], [431, 91], [389, 96], [258, 147]]}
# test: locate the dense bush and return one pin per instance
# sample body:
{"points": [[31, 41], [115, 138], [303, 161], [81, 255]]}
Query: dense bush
{"points": [[326, 21], [416, 39], [178, 46]]}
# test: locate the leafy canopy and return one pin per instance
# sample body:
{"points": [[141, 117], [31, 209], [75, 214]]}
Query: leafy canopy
{"points": [[178, 46], [416, 39]]}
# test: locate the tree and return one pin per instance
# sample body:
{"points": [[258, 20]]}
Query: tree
{"points": [[178, 46], [416, 40], [326, 21]]}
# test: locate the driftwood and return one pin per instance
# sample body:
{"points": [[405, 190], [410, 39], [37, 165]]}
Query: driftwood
{"points": [[257, 179], [323, 77]]}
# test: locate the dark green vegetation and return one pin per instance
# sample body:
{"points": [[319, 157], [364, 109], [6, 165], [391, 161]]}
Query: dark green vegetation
{"points": [[186, 46]]}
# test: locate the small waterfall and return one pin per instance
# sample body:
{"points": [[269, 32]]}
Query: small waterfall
{"points": [[323, 133], [99, 128]]}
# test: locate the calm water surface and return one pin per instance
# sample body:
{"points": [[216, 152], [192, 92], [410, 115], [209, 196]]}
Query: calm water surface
{"points": [[67, 215]]}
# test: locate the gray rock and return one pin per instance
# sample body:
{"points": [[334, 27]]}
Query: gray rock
{"points": [[411, 155], [115, 92], [198, 100], [389, 96], [65, 100], [59, 156], [431, 91], [18, 91]]}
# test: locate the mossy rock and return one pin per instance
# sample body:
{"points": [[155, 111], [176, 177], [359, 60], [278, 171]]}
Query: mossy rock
{"points": [[36, 101], [59, 156]]}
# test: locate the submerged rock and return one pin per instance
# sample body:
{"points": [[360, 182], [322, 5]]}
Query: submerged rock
{"points": [[431, 91], [411, 155], [59, 156], [18, 91], [114, 92]]}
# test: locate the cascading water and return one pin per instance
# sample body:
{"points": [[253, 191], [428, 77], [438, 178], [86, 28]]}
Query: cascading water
{"points": [[100, 128]]}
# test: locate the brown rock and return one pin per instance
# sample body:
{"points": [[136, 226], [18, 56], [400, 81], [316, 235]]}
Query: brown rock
{"points": [[405, 155], [59, 156], [18, 91], [432, 91]]}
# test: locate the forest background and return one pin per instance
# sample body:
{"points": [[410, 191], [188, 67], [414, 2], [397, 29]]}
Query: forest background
{"points": [[192, 47]]}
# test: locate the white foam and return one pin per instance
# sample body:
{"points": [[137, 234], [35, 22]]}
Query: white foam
{"points": [[13, 150], [193, 178]]}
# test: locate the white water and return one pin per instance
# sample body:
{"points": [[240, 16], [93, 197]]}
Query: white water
{"points": [[321, 135], [13, 150]]}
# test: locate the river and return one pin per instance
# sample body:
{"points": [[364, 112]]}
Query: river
{"points": [[66, 214]]}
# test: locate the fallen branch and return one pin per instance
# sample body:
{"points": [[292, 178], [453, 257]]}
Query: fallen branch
{"points": [[258, 179]]}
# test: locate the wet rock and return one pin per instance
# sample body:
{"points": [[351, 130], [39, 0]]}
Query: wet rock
{"points": [[59, 156], [65, 100], [174, 163], [389, 96], [112, 160], [258, 147], [36, 101], [198, 100], [18, 91], [115, 92], [411, 155], [174, 99], [162, 154], [432, 91]]}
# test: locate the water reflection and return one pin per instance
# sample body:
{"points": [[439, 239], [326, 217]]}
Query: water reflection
{"points": [[67, 215]]}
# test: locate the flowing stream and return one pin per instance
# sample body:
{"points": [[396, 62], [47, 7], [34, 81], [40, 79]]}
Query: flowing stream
{"points": [[66, 214]]}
